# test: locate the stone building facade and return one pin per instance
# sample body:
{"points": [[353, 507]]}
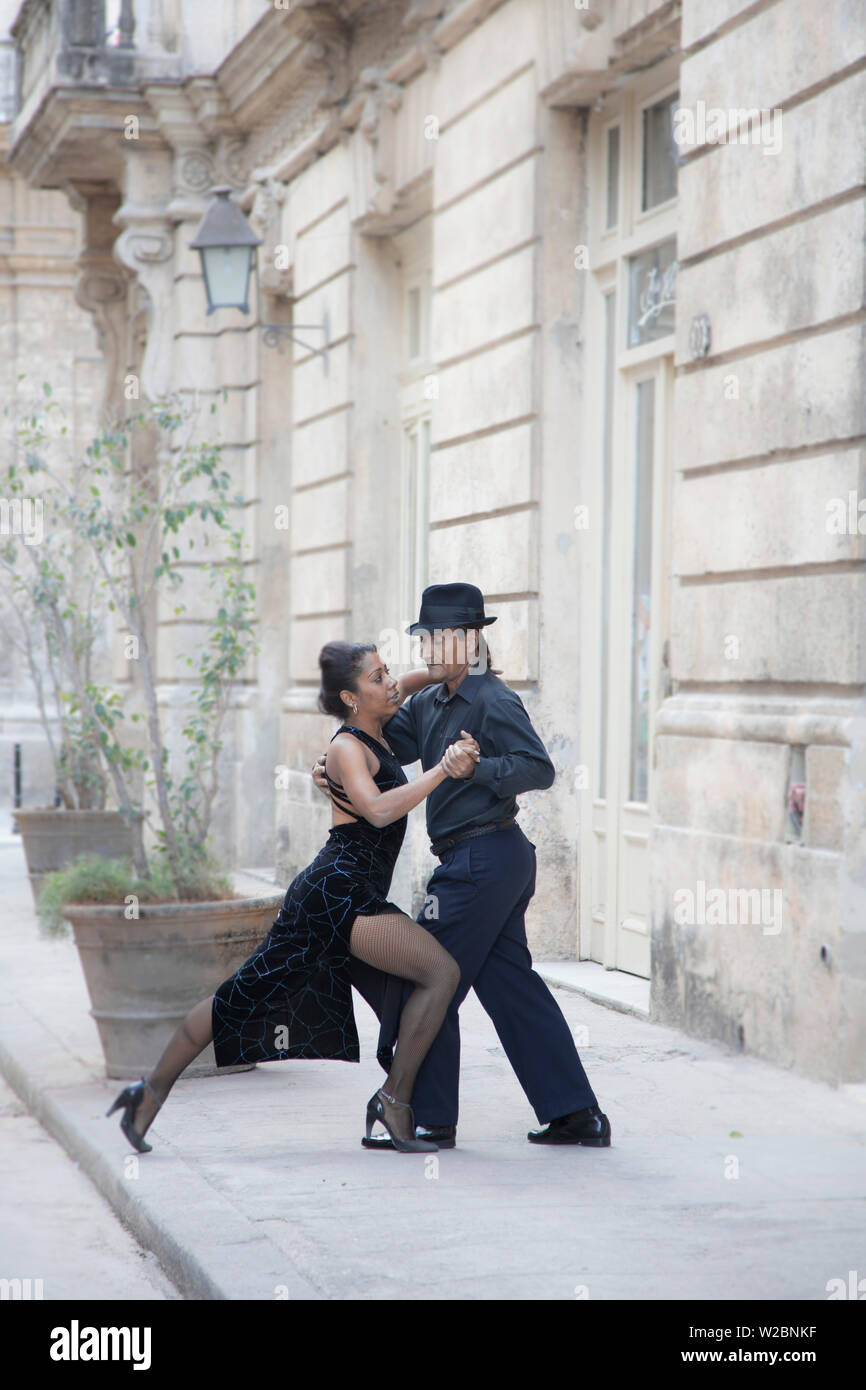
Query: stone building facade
{"points": [[577, 292], [46, 334]]}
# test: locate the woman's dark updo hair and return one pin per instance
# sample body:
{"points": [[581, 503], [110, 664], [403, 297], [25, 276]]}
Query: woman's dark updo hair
{"points": [[340, 664]]}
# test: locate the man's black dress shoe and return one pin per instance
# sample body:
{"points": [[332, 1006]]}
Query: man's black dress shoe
{"points": [[445, 1136], [589, 1126]]}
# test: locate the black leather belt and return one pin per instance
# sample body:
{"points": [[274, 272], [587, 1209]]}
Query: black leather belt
{"points": [[443, 846]]}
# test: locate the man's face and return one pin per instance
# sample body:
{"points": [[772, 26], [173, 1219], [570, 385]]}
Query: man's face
{"points": [[449, 649]]}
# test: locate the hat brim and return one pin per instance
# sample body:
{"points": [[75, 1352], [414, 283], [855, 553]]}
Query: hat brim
{"points": [[429, 627]]}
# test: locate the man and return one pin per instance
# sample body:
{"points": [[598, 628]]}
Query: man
{"points": [[481, 889]]}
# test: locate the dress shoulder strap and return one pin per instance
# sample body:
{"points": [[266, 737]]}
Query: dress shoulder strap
{"points": [[372, 743]]}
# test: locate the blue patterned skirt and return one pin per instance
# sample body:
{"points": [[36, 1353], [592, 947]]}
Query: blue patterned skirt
{"points": [[292, 997]]}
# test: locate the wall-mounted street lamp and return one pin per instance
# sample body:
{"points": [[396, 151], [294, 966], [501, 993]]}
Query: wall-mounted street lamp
{"points": [[227, 243]]}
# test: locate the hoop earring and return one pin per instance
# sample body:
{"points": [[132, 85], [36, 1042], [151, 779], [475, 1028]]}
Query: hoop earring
{"points": [[355, 709]]}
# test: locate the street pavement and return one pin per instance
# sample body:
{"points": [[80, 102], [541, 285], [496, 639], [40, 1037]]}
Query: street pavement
{"points": [[727, 1178], [55, 1226]]}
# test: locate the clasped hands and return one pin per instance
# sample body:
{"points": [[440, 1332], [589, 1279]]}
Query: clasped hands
{"points": [[458, 760]]}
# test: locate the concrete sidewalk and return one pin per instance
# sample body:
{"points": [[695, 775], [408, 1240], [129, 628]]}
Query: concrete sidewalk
{"points": [[258, 1188]]}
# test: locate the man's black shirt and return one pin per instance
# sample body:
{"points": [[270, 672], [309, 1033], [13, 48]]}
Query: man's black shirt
{"points": [[513, 759]]}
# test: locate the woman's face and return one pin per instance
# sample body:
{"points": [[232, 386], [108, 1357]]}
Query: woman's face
{"points": [[377, 690]]}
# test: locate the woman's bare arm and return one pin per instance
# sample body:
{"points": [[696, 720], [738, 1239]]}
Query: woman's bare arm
{"points": [[381, 808]]}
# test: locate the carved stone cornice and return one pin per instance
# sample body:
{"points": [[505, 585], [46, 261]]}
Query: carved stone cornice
{"points": [[295, 129], [210, 105], [306, 47], [587, 54], [422, 12]]}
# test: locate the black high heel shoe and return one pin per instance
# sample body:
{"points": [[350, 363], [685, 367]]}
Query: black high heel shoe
{"points": [[376, 1111], [130, 1098]]}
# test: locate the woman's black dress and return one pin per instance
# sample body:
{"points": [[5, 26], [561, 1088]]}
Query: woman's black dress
{"points": [[293, 997]]}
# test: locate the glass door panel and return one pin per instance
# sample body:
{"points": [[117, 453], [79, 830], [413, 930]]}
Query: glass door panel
{"points": [[607, 506], [641, 595]]}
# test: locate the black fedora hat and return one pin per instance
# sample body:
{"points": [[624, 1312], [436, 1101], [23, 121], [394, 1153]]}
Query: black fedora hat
{"points": [[450, 605]]}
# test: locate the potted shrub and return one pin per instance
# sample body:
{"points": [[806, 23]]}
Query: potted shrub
{"points": [[160, 929], [53, 622]]}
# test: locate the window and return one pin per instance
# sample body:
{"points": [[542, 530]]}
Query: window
{"points": [[641, 597], [607, 493], [416, 466], [612, 208], [652, 277], [416, 317], [659, 154], [633, 255]]}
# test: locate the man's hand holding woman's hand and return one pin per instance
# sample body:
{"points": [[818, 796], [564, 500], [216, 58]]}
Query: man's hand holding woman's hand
{"points": [[319, 777], [460, 758]]}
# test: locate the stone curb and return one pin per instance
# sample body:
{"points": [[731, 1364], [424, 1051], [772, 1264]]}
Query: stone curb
{"points": [[66, 1119]]}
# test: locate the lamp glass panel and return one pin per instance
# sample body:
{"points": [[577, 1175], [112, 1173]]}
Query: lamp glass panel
{"points": [[227, 271]]}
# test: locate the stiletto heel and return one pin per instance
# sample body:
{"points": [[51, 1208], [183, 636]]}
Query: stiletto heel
{"points": [[129, 1099], [376, 1111]]}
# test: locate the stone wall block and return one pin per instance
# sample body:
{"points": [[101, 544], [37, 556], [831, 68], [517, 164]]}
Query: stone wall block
{"points": [[480, 475], [722, 785], [801, 628], [497, 553], [487, 390]]}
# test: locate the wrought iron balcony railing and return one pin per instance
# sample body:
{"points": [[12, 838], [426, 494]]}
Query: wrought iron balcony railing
{"points": [[72, 41], [89, 52]]}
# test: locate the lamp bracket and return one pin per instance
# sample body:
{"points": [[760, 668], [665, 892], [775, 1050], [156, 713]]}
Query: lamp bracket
{"points": [[273, 333]]}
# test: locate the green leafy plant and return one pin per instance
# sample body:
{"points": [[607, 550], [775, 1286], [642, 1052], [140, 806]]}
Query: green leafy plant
{"points": [[92, 879], [142, 491], [53, 623]]}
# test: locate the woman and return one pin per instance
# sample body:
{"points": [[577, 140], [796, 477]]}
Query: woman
{"points": [[292, 997]]}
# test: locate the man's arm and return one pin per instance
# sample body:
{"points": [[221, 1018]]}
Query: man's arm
{"points": [[526, 765], [402, 735]]}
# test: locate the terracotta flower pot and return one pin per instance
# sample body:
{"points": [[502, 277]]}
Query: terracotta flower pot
{"points": [[53, 838], [144, 974]]}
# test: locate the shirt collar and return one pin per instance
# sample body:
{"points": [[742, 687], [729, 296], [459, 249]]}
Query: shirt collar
{"points": [[467, 689]]}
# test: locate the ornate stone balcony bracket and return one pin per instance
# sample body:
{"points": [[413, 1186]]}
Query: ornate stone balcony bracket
{"points": [[325, 40], [264, 217], [146, 247], [381, 94]]}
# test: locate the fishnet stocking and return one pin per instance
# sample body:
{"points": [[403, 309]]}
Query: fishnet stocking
{"points": [[391, 942], [394, 943], [190, 1038]]}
